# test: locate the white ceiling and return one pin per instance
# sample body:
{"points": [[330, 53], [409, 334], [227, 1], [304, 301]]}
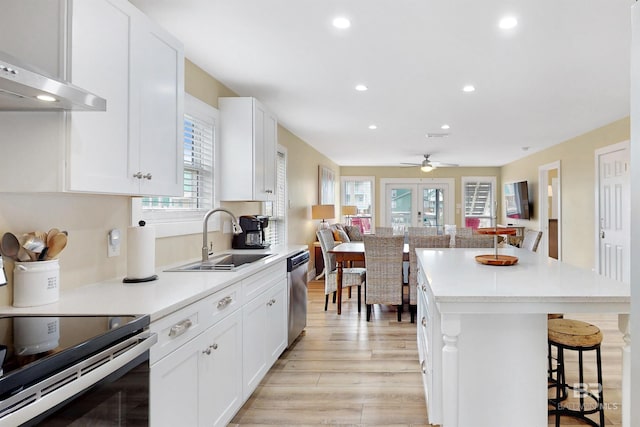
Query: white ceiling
{"points": [[563, 71]]}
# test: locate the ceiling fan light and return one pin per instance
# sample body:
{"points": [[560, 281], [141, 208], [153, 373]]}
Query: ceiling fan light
{"points": [[426, 166]]}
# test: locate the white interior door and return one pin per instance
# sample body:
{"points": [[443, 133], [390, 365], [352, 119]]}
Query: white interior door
{"points": [[613, 212]]}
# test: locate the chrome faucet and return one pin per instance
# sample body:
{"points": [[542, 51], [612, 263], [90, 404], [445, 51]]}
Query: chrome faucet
{"points": [[235, 227]]}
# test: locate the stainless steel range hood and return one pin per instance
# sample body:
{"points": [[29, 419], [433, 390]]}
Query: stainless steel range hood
{"points": [[23, 88]]}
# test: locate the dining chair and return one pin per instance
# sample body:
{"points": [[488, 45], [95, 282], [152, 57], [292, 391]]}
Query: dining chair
{"points": [[383, 258], [384, 231], [350, 276], [475, 241], [464, 232], [417, 241], [422, 231], [531, 240]]}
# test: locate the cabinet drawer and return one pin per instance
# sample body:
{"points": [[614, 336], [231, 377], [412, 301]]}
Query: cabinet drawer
{"points": [[185, 324], [175, 330], [253, 285], [217, 306]]}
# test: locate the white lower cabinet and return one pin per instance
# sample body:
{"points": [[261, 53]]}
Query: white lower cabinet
{"points": [[199, 383], [264, 322], [212, 354]]}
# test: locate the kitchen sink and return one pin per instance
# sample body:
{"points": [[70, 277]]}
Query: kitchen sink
{"points": [[223, 262]]}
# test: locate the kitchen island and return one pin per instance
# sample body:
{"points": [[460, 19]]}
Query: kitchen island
{"points": [[482, 334]]}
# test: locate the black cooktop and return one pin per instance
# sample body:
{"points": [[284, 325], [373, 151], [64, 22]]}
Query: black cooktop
{"points": [[35, 347]]}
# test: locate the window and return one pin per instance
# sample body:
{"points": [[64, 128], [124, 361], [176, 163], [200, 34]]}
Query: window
{"points": [[359, 191], [183, 215], [275, 233], [479, 201]]}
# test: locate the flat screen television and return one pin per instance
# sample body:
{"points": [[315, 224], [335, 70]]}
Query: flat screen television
{"points": [[516, 197]]}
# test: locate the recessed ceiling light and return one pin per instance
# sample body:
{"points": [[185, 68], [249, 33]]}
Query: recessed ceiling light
{"points": [[468, 88], [373, 127], [46, 98], [341, 22], [361, 88], [445, 127], [508, 22]]}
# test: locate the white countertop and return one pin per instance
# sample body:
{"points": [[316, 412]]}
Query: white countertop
{"points": [[536, 283], [170, 292]]}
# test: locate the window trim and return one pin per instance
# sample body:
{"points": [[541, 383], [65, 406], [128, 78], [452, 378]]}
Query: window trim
{"points": [[177, 223], [285, 218], [494, 195], [370, 178]]}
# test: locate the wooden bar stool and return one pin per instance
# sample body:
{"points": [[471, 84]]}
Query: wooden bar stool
{"points": [[568, 334]]}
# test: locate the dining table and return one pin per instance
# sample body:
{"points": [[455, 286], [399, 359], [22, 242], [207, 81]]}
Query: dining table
{"points": [[347, 253]]}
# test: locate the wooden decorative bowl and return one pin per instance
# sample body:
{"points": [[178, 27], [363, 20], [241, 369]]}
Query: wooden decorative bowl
{"points": [[494, 231], [494, 259]]}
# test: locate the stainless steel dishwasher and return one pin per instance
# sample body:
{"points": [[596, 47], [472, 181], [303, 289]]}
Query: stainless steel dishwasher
{"points": [[297, 266]]}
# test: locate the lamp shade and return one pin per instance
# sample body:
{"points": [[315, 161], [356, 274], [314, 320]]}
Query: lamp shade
{"points": [[323, 211], [349, 210]]}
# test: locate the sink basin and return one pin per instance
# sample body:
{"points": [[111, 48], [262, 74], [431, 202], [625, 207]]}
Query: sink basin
{"points": [[223, 262]]}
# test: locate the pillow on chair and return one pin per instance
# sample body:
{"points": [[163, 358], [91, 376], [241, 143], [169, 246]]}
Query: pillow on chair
{"points": [[340, 235], [353, 232]]}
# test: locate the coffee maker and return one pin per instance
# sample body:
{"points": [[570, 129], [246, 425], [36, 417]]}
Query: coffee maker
{"points": [[252, 236]]}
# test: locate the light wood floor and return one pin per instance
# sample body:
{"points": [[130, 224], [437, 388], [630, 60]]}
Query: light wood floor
{"points": [[344, 371]]}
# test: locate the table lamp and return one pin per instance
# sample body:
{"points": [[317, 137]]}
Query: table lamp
{"points": [[323, 212], [348, 211]]}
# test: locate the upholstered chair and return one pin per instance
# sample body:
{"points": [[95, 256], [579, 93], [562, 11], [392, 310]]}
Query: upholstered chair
{"points": [[350, 276]]}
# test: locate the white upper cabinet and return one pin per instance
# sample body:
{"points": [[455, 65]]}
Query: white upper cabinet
{"points": [[110, 48], [248, 133]]}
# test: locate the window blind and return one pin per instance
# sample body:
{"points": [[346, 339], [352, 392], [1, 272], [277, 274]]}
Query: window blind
{"points": [[276, 210], [198, 170]]}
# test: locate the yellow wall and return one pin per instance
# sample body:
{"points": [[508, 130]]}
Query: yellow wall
{"points": [[577, 164], [414, 172]]}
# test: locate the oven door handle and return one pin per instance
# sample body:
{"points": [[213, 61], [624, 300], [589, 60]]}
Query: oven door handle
{"points": [[47, 394]]}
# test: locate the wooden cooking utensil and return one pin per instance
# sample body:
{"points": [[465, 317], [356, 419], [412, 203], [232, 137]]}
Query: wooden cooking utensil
{"points": [[58, 243], [50, 235]]}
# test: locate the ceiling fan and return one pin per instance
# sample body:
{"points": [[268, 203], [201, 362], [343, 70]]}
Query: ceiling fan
{"points": [[427, 165]]}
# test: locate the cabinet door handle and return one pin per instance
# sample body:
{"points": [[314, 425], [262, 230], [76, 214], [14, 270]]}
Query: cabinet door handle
{"points": [[271, 302], [180, 328], [147, 176], [424, 321], [207, 350], [422, 367], [138, 175], [224, 302]]}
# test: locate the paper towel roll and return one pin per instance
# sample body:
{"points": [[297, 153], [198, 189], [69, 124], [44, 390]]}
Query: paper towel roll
{"points": [[141, 253]]}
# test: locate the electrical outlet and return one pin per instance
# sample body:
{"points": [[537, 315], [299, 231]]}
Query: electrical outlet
{"points": [[113, 243]]}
